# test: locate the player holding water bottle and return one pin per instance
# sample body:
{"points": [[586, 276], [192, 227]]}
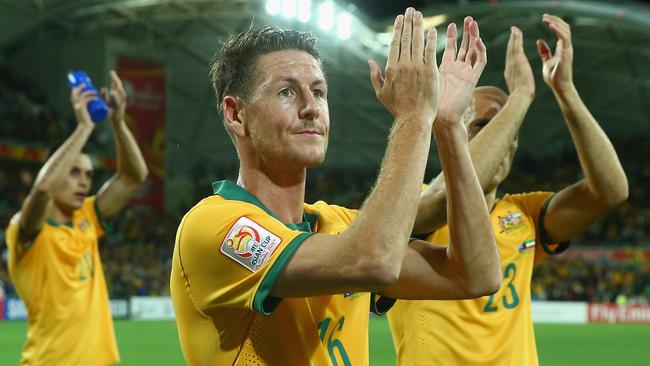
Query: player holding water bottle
{"points": [[53, 241]]}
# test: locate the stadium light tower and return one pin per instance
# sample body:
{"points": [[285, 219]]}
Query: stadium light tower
{"points": [[273, 7], [326, 15], [344, 21], [304, 10]]}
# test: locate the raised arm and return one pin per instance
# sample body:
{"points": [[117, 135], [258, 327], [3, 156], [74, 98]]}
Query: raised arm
{"points": [[470, 266], [131, 167], [492, 143], [605, 184], [369, 254], [327, 264], [34, 208]]}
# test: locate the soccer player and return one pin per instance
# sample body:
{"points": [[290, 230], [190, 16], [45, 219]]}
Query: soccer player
{"points": [[498, 329], [260, 277], [53, 252]]}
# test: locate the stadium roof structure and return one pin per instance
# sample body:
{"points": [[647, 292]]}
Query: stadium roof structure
{"points": [[611, 68]]}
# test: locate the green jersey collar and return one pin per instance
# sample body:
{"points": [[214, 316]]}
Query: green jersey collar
{"points": [[231, 191], [55, 223]]}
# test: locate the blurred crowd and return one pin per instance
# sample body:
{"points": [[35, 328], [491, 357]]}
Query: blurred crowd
{"points": [[137, 253], [628, 224], [27, 119], [22, 107], [600, 281]]}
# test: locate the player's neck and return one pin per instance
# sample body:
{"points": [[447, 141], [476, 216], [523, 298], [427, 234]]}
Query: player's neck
{"points": [[59, 214], [281, 190]]}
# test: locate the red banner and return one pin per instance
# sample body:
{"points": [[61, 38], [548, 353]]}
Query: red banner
{"points": [[144, 83], [608, 313], [20, 152], [38, 154], [608, 253]]}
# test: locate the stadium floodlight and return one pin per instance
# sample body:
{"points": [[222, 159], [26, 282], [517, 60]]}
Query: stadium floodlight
{"points": [[344, 21], [289, 8], [434, 21], [326, 15], [273, 7], [304, 10]]}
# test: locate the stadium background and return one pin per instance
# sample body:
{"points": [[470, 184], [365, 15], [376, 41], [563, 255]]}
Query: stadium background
{"points": [[161, 48]]}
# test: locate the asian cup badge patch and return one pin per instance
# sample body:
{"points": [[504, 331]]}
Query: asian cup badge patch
{"points": [[249, 244]]}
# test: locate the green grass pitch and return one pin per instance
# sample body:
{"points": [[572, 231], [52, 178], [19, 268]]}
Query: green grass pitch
{"points": [[155, 343]]}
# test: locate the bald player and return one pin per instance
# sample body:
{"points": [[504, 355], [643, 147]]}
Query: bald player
{"points": [[497, 329], [53, 250]]}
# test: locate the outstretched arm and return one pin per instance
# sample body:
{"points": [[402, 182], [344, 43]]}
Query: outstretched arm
{"points": [[605, 184], [329, 264], [33, 211], [131, 167], [470, 266], [489, 147]]}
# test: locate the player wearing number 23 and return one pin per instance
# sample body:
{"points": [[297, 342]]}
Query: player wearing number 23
{"points": [[497, 329], [500, 323]]}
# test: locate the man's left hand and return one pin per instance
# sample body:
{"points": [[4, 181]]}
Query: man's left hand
{"points": [[115, 98], [557, 67]]}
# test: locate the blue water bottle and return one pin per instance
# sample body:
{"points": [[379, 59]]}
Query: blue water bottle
{"points": [[97, 109]]}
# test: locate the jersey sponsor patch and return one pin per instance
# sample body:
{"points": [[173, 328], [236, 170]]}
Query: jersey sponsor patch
{"points": [[249, 244]]}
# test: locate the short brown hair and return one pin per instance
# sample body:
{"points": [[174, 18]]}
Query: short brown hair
{"points": [[232, 69]]}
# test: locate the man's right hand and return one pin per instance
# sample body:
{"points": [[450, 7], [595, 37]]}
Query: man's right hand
{"points": [[410, 89], [460, 70], [80, 100], [518, 73]]}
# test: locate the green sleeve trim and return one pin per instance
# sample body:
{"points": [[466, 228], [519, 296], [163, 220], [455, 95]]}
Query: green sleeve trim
{"points": [[105, 224], [263, 303], [543, 235], [381, 306]]}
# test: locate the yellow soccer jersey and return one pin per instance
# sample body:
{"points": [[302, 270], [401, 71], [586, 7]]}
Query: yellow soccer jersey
{"points": [[230, 250], [61, 280], [491, 330]]}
